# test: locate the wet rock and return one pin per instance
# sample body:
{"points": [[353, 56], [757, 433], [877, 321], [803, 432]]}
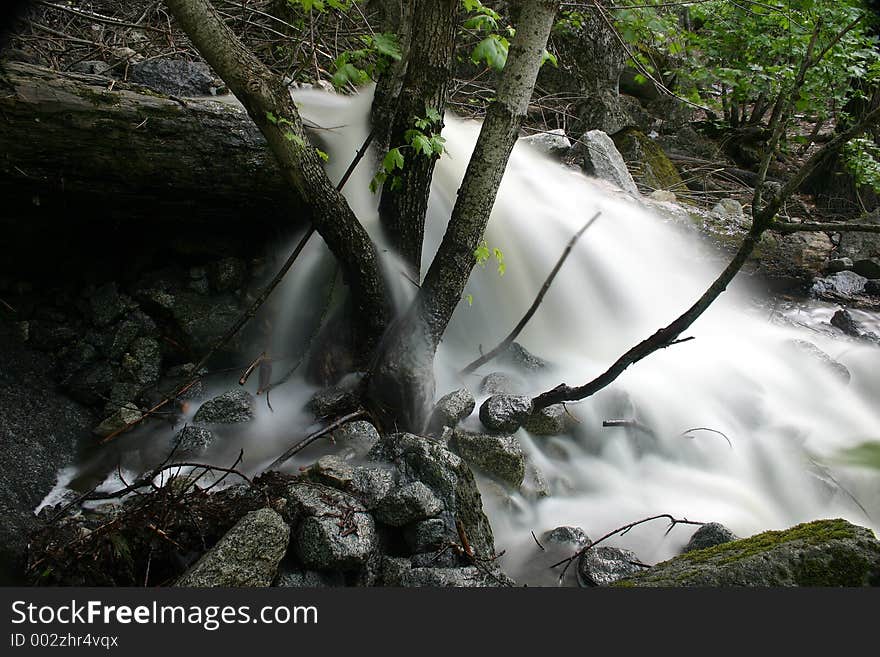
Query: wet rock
{"points": [[844, 283], [872, 287], [601, 566], [521, 358], [553, 143], [839, 264], [867, 267], [729, 207], [407, 504], [451, 409], [427, 535], [289, 577], [844, 321], [550, 421], [601, 159], [534, 485], [228, 274], [107, 305], [143, 362], [247, 555], [663, 196], [709, 535], [333, 402], [400, 572], [861, 246], [231, 407], [555, 545], [496, 455], [820, 553], [358, 437], [811, 350], [334, 530], [505, 413], [203, 319], [369, 485], [49, 336], [122, 394], [176, 77], [193, 440], [500, 383], [92, 384], [566, 536], [124, 416], [448, 476]]}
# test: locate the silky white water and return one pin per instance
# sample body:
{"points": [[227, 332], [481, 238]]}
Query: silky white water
{"points": [[784, 416]]}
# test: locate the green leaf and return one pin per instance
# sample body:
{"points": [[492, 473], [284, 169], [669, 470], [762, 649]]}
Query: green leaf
{"points": [[470, 299], [548, 56], [393, 160], [422, 144], [386, 44], [271, 118], [322, 155], [492, 51], [432, 115]]}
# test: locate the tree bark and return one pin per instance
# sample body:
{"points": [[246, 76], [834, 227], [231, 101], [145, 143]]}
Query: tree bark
{"points": [[404, 204], [401, 385], [268, 102]]}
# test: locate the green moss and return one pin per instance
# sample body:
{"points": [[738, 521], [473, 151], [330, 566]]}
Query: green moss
{"points": [[647, 161], [100, 98]]}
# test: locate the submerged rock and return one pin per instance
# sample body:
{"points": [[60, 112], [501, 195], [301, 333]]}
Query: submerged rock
{"points": [[820, 553], [193, 440], [231, 407], [247, 555], [550, 421], [521, 358], [500, 383], [709, 535], [505, 413], [811, 350], [497, 455], [602, 566]]}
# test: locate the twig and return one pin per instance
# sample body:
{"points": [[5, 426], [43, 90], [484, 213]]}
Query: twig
{"points": [[538, 543], [631, 424], [308, 440], [684, 434], [485, 358]]}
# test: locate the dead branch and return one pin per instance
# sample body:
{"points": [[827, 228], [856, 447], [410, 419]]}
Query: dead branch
{"points": [[684, 434], [622, 530], [308, 440], [631, 424], [506, 342], [787, 227]]}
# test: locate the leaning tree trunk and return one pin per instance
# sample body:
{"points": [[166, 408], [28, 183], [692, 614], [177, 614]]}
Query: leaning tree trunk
{"points": [[401, 384], [405, 200], [268, 102]]}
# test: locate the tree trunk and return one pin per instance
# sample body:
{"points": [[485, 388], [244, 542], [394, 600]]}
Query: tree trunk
{"points": [[404, 204], [401, 383], [269, 104]]}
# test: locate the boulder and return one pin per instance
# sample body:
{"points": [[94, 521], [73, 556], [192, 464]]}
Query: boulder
{"points": [[451, 409], [505, 413], [358, 437], [861, 246], [125, 415], [233, 407], [193, 440], [843, 283], [550, 548], [247, 555], [647, 161], [600, 158], [448, 476], [175, 77], [369, 485], [867, 267], [107, 305], [553, 143], [602, 566], [427, 535], [872, 287], [407, 504], [333, 402], [844, 321], [501, 383], [819, 553], [709, 535], [522, 359], [729, 207], [333, 529], [550, 421], [496, 455], [839, 264]]}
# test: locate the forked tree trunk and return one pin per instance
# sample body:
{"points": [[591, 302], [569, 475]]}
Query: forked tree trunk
{"points": [[401, 384]]}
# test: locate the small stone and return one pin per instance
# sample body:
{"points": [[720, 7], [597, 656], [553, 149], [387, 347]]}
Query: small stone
{"points": [[176, 77], [248, 555], [332, 402], [358, 436], [505, 413], [602, 566], [427, 535], [729, 207], [521, 358], [549, 421], [499, 383], [839, 264], [663, 196], [126, 415], [553, 143], [369, 485], [407, 504], [496, 455], [92, 67], [451, 409], [845, 322], [566, 536], [145, 362], [193, 440], [709, 535], [231, 407], [227, 274]]}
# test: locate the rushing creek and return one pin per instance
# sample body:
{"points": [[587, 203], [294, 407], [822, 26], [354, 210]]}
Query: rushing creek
{"points": [[745, 429]]}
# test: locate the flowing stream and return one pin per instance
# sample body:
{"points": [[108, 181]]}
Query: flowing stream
{"points": [[744, 428]]}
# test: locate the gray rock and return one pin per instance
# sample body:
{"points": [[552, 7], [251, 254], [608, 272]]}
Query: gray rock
{"points": [[867, 267], [92, 67], [844, 321], [427, 535], [601, 566], [333, 402], [534, 485], [358, 436], [820, 553], [143, 361], [601, 159], [553, 143], [248, 555], [125, 415], [550, 421], [228, 274], [451, 409], [400, 572], [310, 579], [860, 246], [92, 384], [50, 336], [505, 413], [499, 383], [844, 283], [521, 358], [566, 536], [811, 350], [202, 319], [369, 485], [334, 530], [231, 407], [121, 394], [839, 264], [407, 504], [107, 305], [555, 545], [496, 455], [176, 77], [448, 476], [872, 287], [193, 440], [709, 535], [729, 207]]}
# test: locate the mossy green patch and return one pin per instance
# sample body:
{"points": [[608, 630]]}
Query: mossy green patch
{"points": [[647, 161]]}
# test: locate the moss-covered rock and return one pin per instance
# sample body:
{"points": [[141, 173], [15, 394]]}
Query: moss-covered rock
{"points": [[646, 160], [820, 553]]}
